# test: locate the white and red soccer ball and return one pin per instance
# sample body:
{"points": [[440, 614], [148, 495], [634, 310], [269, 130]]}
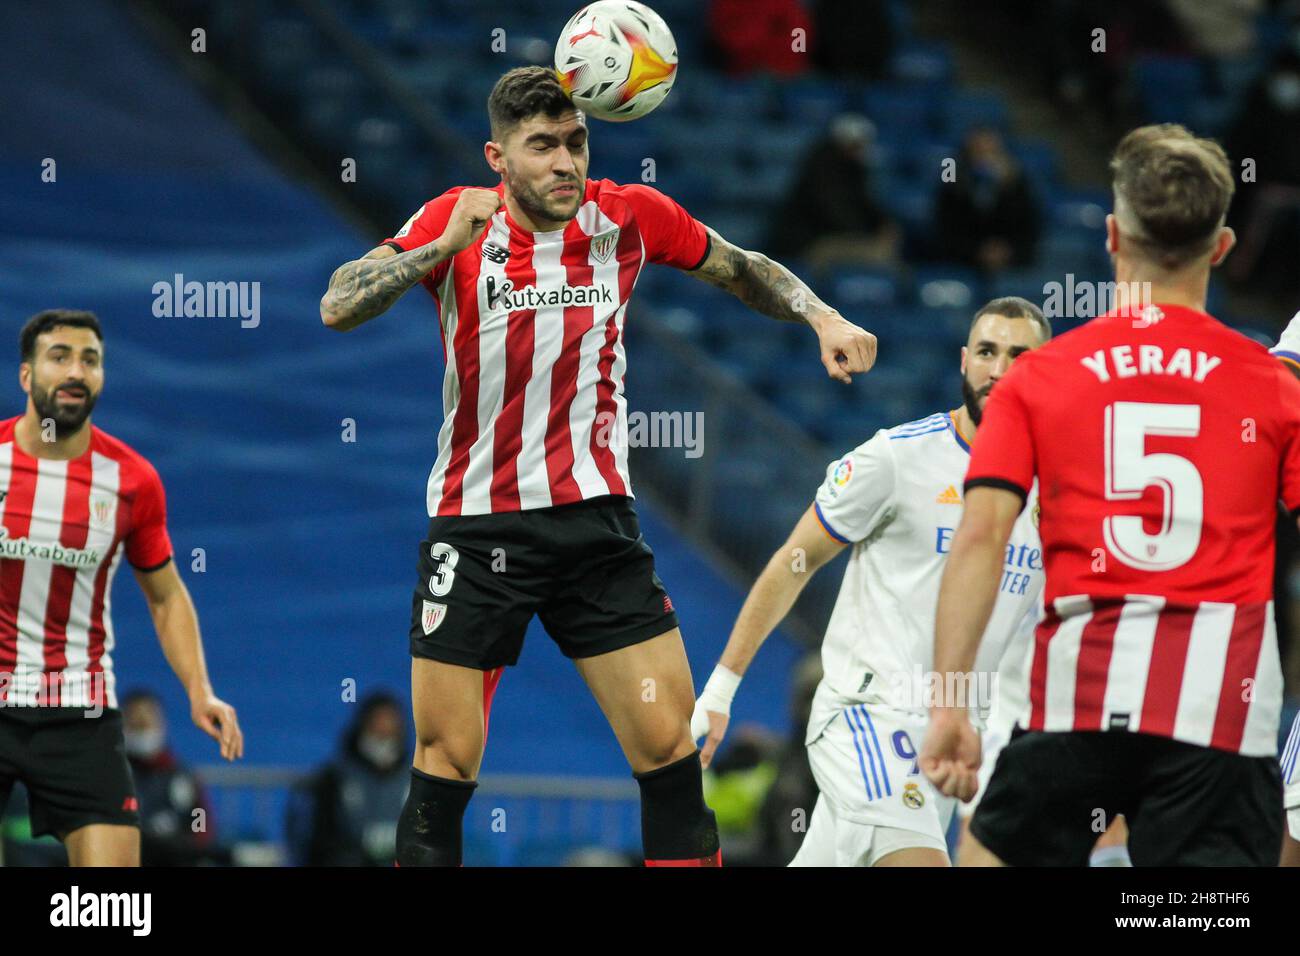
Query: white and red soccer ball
{"points": [[616, 59]]}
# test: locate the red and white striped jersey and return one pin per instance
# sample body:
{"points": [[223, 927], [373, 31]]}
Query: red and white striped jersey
{"points": [[532, 331], [1162, 441], [64, 526]]}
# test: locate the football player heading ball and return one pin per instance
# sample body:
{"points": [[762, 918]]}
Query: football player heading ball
{"points": [[532, 280]]}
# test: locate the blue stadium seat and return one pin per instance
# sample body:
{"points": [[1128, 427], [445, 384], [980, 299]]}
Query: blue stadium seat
{"points": [[910, 201], [1074, 247], [1233, 78], [922, 63], [947, 287], [744, 226], [960, 111], [855, 286], [284, 48], [1040, 161], [1168, 86], [763, 187], [814, 102], [1035, 283], [756, 359], [1213, 117], [900, 107], [781, 144], [1080, 209]]}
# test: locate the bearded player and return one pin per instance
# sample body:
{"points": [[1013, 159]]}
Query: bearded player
{"points": [[529, 499], [894, 500], [73, 502]]}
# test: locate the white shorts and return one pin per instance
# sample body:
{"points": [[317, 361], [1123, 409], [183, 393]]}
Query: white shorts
{"points": [[1292, 804], [874, 799], [1291, 779]]}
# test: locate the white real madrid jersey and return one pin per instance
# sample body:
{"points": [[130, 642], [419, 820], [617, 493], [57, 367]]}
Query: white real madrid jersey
{"points": [[896, 499]]}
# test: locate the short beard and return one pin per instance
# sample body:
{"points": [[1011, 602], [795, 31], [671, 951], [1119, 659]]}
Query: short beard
{"points": [[972, 402], [67, 422], [534, 204]]}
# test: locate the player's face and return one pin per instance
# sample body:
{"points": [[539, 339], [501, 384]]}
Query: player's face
{"points": [[546, 165], [994, 343], [65, 377]]}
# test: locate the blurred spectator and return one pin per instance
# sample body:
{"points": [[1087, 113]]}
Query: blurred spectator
{"points": [[787, 809], [173, 831], [988, 217], [761, 788], [855, 38], [1218, 28], [349, 814], [735, 786], [1266, 213], [829, 215], [750, 36], [1063, 35]]}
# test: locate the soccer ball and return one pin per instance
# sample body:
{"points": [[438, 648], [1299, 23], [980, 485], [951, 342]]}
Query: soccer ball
{"points": [[616, 59]]}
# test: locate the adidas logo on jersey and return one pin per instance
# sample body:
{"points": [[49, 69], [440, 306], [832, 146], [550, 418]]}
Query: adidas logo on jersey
{"points": [[948, 496], [503, 294]]}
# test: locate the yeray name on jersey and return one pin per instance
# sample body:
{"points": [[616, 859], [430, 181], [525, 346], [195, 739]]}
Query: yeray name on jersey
{"points": [[1150, 361]]}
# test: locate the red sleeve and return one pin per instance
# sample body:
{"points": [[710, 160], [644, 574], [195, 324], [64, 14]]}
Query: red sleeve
{"points": [[1289, 409], [147, 545], [672, 236], [1002, 455], [426, 225]]}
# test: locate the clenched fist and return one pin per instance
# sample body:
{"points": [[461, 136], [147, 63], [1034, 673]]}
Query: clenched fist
{"points": [[469, 217], [846, 348]]}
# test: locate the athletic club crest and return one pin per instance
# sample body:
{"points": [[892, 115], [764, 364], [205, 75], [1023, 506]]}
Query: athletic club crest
{"points": [[101, 511], [432, 616], [603, 246]]}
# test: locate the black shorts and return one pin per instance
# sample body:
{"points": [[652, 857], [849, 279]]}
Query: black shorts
{"points": [[73, 765], [583, 568], [1051, 795]]}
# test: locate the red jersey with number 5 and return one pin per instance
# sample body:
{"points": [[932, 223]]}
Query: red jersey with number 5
{"points": [[1162, 441]]}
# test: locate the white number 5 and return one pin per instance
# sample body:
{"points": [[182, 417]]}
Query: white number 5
{"points": [[1130, 471]]}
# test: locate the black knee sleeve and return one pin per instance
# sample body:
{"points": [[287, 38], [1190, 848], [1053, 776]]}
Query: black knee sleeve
{"points": [[429, 829], [676, 825]]}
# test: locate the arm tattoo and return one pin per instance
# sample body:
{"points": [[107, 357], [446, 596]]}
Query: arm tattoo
{"points": [[759, 282], [364, 288]]}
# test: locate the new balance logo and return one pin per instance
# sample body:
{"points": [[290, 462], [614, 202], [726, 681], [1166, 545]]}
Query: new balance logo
{"points": [[495, 253], [948, 496]]}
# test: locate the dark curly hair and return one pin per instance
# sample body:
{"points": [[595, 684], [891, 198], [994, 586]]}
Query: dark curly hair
{"points": [[43, 322], [522, 93]]}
